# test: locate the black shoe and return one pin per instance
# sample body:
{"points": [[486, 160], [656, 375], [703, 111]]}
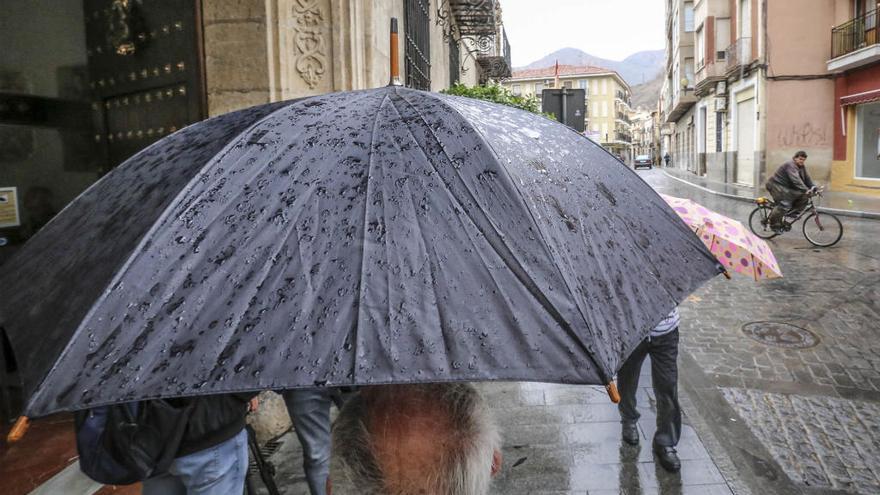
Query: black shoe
{"points": [[668, 458], [630, 433]]}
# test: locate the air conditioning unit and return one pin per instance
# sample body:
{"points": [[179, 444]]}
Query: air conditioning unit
{"points": [[721, 88], [721, 55], [720, 104]]}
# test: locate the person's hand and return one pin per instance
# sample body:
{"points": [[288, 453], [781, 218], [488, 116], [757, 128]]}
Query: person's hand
{"points": [[254, 404]]}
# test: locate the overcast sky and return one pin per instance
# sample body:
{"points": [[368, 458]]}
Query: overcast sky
{"points": [[611, 29]]}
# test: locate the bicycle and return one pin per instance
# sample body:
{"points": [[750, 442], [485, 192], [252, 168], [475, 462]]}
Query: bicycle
{"points": [[820, 228]]}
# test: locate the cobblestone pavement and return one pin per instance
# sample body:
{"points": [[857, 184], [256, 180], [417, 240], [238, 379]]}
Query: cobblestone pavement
{"points": [[821, 441], [814, 409]]}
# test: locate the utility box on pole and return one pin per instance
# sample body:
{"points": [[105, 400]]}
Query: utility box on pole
{"points": [[568, 105]]}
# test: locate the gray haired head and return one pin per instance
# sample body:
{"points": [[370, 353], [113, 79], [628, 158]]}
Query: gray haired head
{"points": [[415, 439]]}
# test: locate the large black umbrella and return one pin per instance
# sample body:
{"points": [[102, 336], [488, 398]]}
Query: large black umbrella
{"points": [[368, 237]]}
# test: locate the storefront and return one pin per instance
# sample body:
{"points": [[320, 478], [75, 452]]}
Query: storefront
{"points": [[856, 166]]}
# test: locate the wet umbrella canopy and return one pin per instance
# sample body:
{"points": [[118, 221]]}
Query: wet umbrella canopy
{"points": [[378, 236]]}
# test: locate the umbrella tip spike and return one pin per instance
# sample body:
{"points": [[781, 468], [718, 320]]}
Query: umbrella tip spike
{"points": [[613, 394], [18, 429], [395, 56]]}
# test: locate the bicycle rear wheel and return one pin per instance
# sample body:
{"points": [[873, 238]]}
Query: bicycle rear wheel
{"points": [[823, 229], [759, 222]]}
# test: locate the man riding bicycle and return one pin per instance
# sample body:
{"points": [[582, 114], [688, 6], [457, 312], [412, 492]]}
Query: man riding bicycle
{"points": [[790, 187]]}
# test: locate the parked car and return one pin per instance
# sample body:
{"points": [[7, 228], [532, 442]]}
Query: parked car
{"points": [[643, 161]]}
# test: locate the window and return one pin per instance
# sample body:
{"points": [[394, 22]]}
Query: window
{"points": [[595, 90], [567, 84], [418, 46], [689, 71], [699, 48], [454, 62], [605, 132], [604, 86], [604, 108], [744, 20], [689, 17], [596, 108], [539, 88], [868, 141], [516, 90], [582, 84]]}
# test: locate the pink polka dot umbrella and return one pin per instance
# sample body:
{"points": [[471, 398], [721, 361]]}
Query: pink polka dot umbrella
{"points": [[738, 249]]}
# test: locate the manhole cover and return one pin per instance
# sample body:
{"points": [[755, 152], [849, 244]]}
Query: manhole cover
{"points": [[780, 334]]}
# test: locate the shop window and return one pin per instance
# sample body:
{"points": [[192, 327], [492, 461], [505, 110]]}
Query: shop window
{"points": [[868, 141]]}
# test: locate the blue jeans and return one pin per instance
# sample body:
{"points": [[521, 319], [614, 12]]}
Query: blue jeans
{"points": [[220, 469], [309, 410]]}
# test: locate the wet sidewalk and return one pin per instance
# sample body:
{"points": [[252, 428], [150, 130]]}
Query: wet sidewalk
{"points": [[840, 203], [562, 439]]}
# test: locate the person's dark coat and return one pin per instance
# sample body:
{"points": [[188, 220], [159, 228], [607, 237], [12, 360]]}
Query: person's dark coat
{"points": [[790, 176], [213, 420]]}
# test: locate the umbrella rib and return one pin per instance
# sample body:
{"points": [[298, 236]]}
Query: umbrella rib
{"points": [[498, 244], [356, 328]]}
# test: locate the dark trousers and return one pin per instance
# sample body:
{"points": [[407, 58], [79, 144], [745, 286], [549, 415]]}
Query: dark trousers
{"points": [[664, 376], [786, 199]]}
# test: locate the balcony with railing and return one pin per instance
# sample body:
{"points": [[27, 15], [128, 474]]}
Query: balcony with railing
{"points": [[680, 100], [855, 43], [739, 55], [493, 56], [708, 74], [473, 17]]}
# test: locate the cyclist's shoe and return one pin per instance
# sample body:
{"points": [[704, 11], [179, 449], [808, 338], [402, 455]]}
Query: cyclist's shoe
{"points": [[779, 229]]}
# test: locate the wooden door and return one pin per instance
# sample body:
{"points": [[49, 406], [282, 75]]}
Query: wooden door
{"points": [[146, 70]]}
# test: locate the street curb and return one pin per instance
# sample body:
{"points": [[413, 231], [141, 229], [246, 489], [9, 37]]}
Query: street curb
{"points": [[844, 213]]}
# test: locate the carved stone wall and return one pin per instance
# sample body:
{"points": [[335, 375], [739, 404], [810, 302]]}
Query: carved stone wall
{"points": [[300, 51]]}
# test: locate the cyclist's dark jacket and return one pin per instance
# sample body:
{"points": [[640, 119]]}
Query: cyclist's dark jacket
{"points": [[790, 176]]}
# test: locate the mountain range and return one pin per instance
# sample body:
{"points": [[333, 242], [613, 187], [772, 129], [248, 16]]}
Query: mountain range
{"points": [[638, 68]]}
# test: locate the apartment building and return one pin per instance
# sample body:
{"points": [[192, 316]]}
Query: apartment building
{"points": [[760, 89], [677, 93], [607, 115], [855, 60]]}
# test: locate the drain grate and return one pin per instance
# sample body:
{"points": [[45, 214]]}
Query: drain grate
{"points": [[267, 450], [780, 334]]}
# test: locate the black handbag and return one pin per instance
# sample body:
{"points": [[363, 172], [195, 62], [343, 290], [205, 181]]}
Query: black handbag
{"points": [[126, 443]]}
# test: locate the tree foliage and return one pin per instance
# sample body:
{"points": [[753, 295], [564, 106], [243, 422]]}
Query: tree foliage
{"points": [[496, 94]]}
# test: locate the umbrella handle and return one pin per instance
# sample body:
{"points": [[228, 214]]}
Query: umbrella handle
{"points": [[727, 275], [18, 429], [613, 394]]}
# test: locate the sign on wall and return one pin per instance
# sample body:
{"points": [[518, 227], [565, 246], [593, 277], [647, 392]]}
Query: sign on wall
{"points": [[9, 216]]}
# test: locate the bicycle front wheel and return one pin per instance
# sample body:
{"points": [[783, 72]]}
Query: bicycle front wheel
{"points": [[823, 229], [759, 222]]}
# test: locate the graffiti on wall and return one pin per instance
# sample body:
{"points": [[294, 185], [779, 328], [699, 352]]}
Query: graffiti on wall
{"points": [[803, 135]]}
